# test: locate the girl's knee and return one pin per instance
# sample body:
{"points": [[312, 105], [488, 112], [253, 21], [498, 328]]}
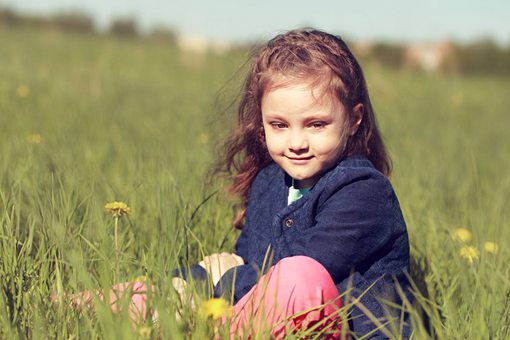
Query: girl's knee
{"points": [[304, 271], [301, 266]]}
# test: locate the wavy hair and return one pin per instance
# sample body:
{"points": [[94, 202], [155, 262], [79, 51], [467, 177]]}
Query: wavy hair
{"points": [[318, 58]]}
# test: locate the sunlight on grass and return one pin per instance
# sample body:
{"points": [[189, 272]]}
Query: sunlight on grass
{"points": [[88, 119]]}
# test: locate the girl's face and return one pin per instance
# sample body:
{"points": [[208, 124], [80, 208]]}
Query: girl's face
{"points": [[305, 132]]}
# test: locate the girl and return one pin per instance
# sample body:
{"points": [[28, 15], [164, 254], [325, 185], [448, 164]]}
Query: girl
{"points": [[310, 167]]}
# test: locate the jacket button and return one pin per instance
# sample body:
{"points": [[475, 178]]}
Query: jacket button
{"points": [[289, 222]]}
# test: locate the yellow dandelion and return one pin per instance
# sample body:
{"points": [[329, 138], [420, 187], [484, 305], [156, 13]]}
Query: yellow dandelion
{"points": [[469, 253], [490, 247], [215, 308], [141, 278], [22, 91], [35, 138], [204, 138], [457, 98], [462, 235], [145, 332], [117, 209]]}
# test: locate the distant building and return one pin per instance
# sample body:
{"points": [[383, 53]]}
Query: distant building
{"points": [[431, 57], [201, 45], [362, 48]]}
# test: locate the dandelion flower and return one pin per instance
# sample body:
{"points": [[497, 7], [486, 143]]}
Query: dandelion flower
{"points": [[204, 138], [35, 138], [457, 98], [145, 332], [141, 278], [22, 91], [462, 235], [469, 253], [117, 209], [215, 308], [490, 247]]}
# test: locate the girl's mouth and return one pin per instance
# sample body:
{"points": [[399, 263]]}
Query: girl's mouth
{"points": [[299, 160]]}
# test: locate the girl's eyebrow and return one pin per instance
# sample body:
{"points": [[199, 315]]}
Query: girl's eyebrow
{"points": [[319, 116], [274, 116], [326, 117]]}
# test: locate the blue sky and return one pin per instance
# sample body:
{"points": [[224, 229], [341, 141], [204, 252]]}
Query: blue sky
{"points": [[235, 20]]}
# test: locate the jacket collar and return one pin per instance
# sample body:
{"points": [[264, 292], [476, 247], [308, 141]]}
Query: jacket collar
{"points": [[284, 181], [349, 162]]}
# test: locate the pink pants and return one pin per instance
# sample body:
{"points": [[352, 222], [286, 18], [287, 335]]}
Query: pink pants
{"points": [[296, 293]]}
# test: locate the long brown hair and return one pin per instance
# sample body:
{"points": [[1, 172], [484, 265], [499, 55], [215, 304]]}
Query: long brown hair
{"points": [[304, 54]]}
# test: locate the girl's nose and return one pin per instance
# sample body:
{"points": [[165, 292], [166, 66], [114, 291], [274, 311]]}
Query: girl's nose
{"points": [[298, 141]]}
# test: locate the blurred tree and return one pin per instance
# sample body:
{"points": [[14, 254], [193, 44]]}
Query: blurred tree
{"points": [[125, 27], [389, 54], [74, 21], [8, 16], [484, 57], [164, 34]]}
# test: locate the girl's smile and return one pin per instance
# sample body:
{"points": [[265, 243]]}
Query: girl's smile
{"points": [[304, 129], [299, 160]]}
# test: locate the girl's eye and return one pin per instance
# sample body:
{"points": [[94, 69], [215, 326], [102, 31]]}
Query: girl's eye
{"points": [[317, 125], [278, 125]]}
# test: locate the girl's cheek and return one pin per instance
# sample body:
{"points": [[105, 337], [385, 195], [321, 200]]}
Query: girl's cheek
{"points": [[328, 145], [276, 141]]}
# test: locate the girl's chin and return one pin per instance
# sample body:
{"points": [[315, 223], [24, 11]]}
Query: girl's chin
{"points": [[304, 182]]}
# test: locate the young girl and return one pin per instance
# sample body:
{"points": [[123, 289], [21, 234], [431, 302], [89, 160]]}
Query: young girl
{"points": [[310, 167]]}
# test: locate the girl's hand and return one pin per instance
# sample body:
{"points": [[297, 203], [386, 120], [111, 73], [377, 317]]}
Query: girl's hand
{"points": [[185, 296], [217, 264]]}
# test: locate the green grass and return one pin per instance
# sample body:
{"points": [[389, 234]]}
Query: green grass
{"points": [[138, 121]]}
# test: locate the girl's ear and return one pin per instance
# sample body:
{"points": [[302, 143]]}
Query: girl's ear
{"points": [[357, 117]]}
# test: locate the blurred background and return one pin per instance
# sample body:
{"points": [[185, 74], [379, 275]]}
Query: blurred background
{"points": [[434, 36]]}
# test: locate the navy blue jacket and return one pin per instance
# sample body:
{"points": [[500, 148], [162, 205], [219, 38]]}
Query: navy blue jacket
{"points": [[350, 222]]}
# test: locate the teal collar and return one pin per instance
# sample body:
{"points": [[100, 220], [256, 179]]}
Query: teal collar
{"points": [[295, 194]]}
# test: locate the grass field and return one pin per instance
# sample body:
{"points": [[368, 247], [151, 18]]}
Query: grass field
{"points": [[86, 120]]}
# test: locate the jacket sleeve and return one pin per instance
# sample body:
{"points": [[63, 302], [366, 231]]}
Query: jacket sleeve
{"points": [[236, 282], [353, 227], [242, 244]]}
